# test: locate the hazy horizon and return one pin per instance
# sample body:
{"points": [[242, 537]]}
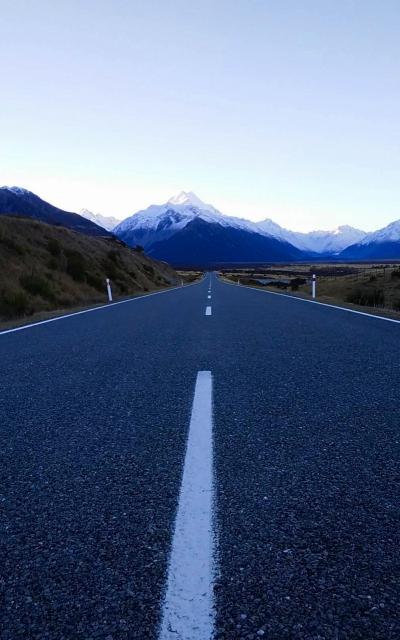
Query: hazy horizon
{"points": [[280, 110]]}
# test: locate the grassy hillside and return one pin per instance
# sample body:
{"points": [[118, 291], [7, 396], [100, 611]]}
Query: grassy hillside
{"points": [[43, 268]]}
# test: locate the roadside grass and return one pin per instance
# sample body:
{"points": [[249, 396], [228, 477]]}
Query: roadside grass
{"points": [[190, 276], [369, 287], [46, 268], [58, 313]]}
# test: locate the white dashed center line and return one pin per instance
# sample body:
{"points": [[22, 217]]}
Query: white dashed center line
{"points": [[188, 611], [208, 311]]}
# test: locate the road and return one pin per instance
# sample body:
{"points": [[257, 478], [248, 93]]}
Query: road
{"points": [[248, 458]]}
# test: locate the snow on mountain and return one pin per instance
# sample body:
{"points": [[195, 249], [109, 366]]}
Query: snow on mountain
{"points": [[190, 199], [17, 191], [332, 241], [315, 241], [273, 229], [336, 240], [390, 233], [383, 244], [159, 222], [107, 222]]}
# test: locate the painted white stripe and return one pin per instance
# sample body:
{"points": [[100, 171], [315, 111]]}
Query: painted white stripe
{"points": [[209, 297], [103, 306], [208, 311], [188, 610], [322, 304]]}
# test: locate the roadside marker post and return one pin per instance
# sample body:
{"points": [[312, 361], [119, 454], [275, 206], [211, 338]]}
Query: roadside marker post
{"points": [[109, 290], [313, 285]]}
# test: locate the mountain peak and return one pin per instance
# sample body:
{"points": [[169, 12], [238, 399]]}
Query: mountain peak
{"points": [[187, 198], [107, 222], [18, 191]]}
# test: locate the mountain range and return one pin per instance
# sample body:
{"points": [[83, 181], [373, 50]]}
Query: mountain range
{"points": [[175, 231], [16, 201], [187, 231]]}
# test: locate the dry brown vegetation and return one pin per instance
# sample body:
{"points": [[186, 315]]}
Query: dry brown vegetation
{"points": [[188, 276], [369, 286], [44, 267]]}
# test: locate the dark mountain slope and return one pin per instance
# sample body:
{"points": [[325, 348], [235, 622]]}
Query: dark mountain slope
{"points": [[373, 251], [22, 203], [202, 244]]}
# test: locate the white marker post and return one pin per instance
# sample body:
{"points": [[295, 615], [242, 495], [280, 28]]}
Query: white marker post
{"points": [[109, 290], [181, 282], [313, 285], [238, 282]]}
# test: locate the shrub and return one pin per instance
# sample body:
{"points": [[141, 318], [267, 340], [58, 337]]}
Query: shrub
{"points": [[113, 255], [110, 269], [54, 247], [367, 297], [395, 274], [14, 304], [37, 286], [122, 286], [396, 304], [148, 269], [76, 266], [66, 301], [138, 248], [296, 282], [52, 263], [95, 281], [12, 245]]}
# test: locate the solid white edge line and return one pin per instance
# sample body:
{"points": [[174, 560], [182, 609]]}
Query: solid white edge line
{"points": [[188, 607], [208, 311], [103, 306], [322, 304]]}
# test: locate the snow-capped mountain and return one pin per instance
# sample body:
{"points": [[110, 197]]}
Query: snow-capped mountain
{"points": [[17, 191], [107, 222], [383, 244], [189, 198], [329, 242], [186, 229], [159, 222], [390, 233]]}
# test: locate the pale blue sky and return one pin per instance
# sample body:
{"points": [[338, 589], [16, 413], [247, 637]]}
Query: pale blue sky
{"points": [[288, 109]]}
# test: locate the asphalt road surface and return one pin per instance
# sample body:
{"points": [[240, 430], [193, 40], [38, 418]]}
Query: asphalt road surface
{"points": [[169, 471]]}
